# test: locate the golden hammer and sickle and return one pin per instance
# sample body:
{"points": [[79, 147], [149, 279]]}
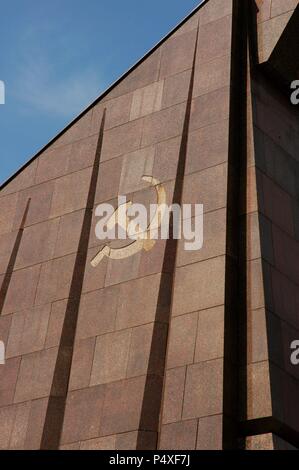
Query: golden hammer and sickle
{"points": [[144, 240]]}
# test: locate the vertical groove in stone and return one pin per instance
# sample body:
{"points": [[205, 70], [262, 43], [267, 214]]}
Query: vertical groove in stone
{"points": [[154, 386], [235, 329], [13, 257], [57, 400], [252, 59]]}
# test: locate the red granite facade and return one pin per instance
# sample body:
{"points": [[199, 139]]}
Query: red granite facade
{"points": [[168, 348]]}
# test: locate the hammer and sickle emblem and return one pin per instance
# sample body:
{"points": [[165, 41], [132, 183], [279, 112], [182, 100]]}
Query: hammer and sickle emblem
{"points": [[144, 239]]}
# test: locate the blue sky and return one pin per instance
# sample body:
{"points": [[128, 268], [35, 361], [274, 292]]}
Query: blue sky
{"points": [[59, 55]]}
